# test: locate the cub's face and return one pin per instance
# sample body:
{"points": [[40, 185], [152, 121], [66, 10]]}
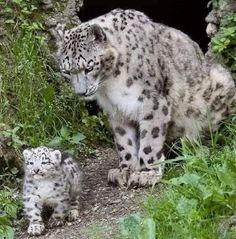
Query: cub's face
{"points": [[42, 162], [86, 58]]}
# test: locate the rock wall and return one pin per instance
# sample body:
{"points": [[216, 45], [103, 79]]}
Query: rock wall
{"points": [[220, 9], [65, 12]]}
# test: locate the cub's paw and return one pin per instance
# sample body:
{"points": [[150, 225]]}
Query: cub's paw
{"points": [[54, 222], [144, 178], [73, 215], [36, 229], [118, 177]]}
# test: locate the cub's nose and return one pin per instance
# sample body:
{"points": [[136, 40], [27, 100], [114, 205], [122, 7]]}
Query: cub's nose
{"points": [[36, 170]]}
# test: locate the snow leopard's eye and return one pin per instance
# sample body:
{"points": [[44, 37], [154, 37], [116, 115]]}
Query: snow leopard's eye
{"points": [[66, 74], [43, 157], [89, 69]]}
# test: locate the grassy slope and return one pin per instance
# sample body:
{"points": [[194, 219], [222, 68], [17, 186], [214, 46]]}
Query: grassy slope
{"points": [[37, 107]]}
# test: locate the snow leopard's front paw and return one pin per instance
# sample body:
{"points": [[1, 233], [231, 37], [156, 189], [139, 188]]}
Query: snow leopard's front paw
{"points": [[73, 215], [145, 178], [54, 222], [36, 229], [118, 177]]}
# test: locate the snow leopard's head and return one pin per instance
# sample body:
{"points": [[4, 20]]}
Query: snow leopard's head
{"points": [[85, 57], [42, 162]]}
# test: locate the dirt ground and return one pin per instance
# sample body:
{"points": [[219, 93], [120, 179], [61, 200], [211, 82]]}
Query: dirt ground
{"points": [[100, 202]]}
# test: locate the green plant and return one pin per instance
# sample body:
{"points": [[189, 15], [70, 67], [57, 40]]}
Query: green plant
{"points": [[33, 95], [199, 200], [66, 139], [37, 106], [9, 205], [224, 43], [136, 227], [13, 134]]}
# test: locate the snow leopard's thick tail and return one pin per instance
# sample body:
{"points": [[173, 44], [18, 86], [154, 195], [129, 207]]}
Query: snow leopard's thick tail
{"points": [[225, 85]]}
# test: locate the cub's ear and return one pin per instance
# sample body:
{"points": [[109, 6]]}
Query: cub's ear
{"points": [[27, 154], [56, 155], [96, 34]]}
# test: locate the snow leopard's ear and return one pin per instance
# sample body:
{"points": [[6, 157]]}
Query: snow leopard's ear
{"points": [[27, 154], [56, 154], [59, 32], [96, 34]]}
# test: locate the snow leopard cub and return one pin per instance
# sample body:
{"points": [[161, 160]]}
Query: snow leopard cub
{"points": [[51, 179]]}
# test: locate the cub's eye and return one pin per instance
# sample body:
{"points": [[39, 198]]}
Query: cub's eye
{"points": [[29, 163], [88, 69], [45, 162]]}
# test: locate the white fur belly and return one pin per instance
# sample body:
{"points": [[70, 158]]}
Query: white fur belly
{"points": [[45, 189], [121, 102]]}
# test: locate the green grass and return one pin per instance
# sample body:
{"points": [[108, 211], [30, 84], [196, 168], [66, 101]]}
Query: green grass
{"points": [[37, 106], [35, 99], [198, 203], [9, 205]]}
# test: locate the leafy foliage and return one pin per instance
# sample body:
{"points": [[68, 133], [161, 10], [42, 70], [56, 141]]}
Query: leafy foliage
{"points": [[37, 105], [35, 101], [9, 205], [134, 227], [224, 43], [200, 202]]}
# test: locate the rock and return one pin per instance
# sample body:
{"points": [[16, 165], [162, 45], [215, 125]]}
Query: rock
{"points": [[211, 30]]}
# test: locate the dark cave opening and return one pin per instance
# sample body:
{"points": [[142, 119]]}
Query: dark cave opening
{"points": [[185, 15]]}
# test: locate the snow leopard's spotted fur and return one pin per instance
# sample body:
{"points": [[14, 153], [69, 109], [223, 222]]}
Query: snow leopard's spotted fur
{"points": [[51, 179], [152, 81]]}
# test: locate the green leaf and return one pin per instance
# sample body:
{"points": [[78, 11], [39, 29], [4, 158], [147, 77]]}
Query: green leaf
{"points": [[64, 132], [8, 233], [10, 21], [225, 175], [11, 210], [4, 220], [14, 171], [130, 226], [57, 141], [76, 139], [17, 1], [187, 179], [185, 205], [149, 228]]}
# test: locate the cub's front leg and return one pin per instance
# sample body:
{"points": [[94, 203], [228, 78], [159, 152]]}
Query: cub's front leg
{"points": [[125, 135], [153, 126], [33, 210]]}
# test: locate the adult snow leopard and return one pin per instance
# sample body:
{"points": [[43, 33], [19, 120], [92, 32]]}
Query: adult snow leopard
{"points": [[53, 179], [152, 81]]}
